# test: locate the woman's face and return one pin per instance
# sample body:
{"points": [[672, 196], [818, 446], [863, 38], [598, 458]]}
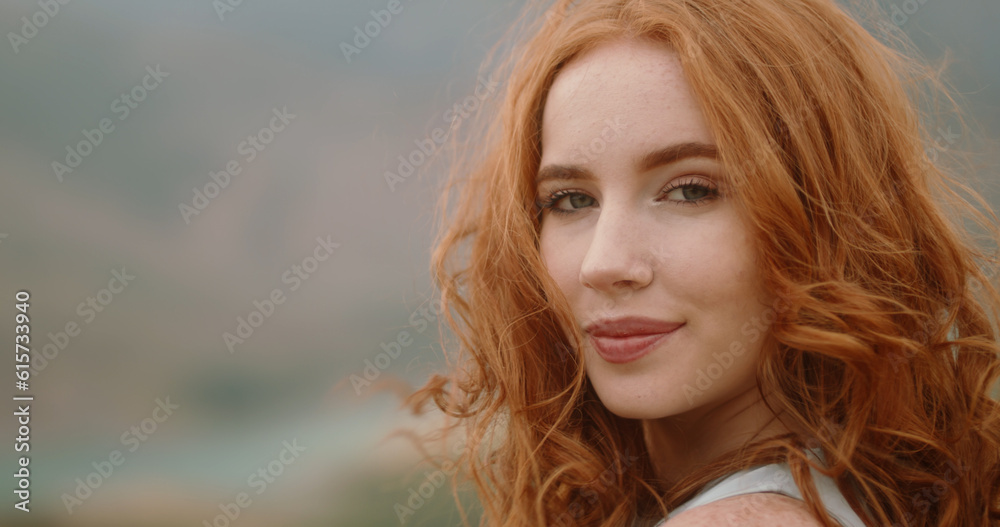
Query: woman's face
{"points": [[642, 238]]}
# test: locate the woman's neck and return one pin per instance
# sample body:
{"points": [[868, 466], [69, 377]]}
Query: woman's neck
{"points": [[679, 445]]}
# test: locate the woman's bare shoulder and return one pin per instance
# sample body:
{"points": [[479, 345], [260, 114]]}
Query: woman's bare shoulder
{"points": [[763, 509]]}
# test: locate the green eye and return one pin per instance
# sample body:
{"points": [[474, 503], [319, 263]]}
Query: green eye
{"points": [[690, 192], [580, 200], [576, 201]]}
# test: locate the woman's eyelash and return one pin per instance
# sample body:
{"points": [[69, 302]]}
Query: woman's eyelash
{"points": [[549, 202], [711, 191]]}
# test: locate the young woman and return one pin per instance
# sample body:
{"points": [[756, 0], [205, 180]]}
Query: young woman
{"points": [[702, 272]]}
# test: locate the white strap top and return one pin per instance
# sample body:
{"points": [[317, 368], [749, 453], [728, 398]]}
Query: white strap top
{"points": [[773, 478]]}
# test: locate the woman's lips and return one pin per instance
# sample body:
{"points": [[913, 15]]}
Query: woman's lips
{"points": [[620, 350], [625, 340]]}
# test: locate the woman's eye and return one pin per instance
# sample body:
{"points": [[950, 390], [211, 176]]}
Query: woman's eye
{"points": [[566, 202], [691, 193], [571, 201], [579, 201]]}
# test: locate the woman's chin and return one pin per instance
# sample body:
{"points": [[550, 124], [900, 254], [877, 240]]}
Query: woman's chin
{"points": [[636, 406]]}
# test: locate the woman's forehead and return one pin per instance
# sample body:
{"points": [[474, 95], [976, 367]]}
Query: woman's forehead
{"points": [[639, 85], [636, 64]]}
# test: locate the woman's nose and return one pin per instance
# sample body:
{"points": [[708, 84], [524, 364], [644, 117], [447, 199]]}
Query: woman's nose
{"points": [[619, 257]]}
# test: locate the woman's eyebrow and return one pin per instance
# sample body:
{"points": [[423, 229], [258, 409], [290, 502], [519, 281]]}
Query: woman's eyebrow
{"points": [[648, 161], [677, 152], [562, 172]]}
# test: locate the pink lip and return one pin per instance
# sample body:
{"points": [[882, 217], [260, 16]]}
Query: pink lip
{"points": [[626, 339]]}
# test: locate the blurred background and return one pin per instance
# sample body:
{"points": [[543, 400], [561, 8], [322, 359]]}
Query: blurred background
{"points": [[195, 195]]}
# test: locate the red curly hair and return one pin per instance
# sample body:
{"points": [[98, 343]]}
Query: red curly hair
{"points": [[884, 350]]}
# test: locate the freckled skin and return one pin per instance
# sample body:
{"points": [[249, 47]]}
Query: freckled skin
{"points": [[627, 249], [749, 510]]}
